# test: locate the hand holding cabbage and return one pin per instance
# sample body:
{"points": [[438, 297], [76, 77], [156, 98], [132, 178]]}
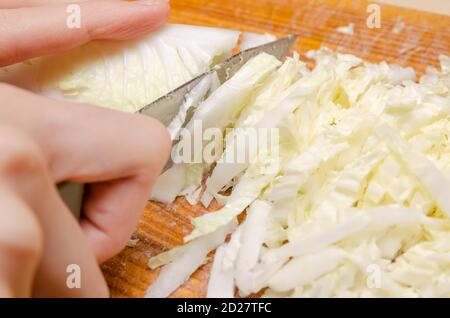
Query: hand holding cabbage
{"points": [[43, 142]]}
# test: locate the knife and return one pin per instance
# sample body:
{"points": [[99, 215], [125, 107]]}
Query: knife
{"points": [[166, 108]]}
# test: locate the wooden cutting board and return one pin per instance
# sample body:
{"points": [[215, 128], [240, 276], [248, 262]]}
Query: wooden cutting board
{"points": [[418, 43]]}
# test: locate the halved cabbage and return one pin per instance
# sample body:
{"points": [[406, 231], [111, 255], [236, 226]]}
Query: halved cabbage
{"points": [[126, 75]]}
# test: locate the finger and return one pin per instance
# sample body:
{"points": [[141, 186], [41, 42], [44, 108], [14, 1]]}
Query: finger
{"points": [[13, 4], [123, 152], [86, 143], [111, 211], [20, 242], [24, 171], [35, 31], [123, 164]]}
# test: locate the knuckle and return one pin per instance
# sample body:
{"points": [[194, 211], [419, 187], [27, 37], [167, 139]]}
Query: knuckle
{"points": [[18, 153], [23, 242], [26, 248]]}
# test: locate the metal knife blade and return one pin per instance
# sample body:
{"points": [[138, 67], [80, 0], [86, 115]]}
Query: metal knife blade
{"points": [[279, 48], [167, 107]]}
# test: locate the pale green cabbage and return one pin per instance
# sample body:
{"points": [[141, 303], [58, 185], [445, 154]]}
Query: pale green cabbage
{"points": [[219, 110], [356, 203], [126, 75]]}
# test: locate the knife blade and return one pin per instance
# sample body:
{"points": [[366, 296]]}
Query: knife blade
{"points": [[168, 106]]}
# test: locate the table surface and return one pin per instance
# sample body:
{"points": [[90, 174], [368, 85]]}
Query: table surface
{"points": [[423, 37]]}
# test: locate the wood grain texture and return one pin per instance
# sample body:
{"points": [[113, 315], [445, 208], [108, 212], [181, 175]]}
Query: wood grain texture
{"points": [[418, 44]]}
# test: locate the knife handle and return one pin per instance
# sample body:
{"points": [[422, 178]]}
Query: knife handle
{"points": [[72, 195]]}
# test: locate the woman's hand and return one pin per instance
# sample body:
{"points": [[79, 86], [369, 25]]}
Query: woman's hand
{"points": [[44, 142]]}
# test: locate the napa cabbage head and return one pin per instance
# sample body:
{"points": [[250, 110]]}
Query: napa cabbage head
{"points": [[128, 75]]}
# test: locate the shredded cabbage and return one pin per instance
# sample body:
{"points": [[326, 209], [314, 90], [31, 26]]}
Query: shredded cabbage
{"points": [[218, 111], [185, 261], [353, 202], [356, 203], [221, 281]]}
